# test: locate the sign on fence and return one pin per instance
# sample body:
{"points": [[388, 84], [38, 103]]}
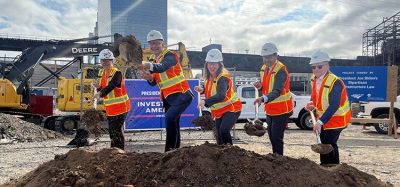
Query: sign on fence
{"points": [[364, 83], [147, 110]]}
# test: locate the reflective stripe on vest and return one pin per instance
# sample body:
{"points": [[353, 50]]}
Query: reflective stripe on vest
{"points": [[165, 83], [326, 89], [117, 101], [176, 78], [229, 101], [342, 116], [282, 104]]}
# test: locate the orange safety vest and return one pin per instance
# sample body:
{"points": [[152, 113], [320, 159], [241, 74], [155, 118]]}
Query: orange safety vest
{"points": [[172, 80], [231, 102], [321, 101], [117, 101], [282, 104]]}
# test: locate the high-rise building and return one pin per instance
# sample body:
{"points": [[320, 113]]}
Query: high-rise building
{"points": [[135, 17]]}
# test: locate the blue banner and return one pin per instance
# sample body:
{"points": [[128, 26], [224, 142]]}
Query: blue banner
{"points": [[147, 110], [363, 83]]}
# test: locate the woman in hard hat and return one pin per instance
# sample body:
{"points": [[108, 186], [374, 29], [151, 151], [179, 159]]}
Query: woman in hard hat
{"points": [[278, 103], [329, 99], [165, 71], [116, 100], [220, 96]]}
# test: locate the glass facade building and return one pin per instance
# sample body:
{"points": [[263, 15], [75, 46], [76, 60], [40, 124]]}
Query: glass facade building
{"points": [[135, 17]]}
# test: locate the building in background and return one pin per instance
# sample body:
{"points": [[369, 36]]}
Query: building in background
{"points": [[136, 17]]}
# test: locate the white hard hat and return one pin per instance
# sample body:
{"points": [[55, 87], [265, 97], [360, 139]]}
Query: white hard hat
{"points": [[154, 35], [214, 55], [106, 54], [319, 57], [268, 49]]}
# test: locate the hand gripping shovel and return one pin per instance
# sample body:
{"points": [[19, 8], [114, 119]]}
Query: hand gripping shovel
{"points": [[204, 121], [319, 147]]}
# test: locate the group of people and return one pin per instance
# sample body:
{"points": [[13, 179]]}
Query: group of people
{"points": [[328, 98]]}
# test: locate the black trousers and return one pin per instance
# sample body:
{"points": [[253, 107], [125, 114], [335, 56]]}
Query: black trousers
{"points": [[224, 125], [330, 137], [116, 130], [175, 105], [276, 131]]}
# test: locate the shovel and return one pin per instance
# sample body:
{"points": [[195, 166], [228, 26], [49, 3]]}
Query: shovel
{"points": [[198, 102], [256, 117], [319, 147]]}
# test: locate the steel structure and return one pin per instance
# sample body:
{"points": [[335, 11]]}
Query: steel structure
{"points": [[382, 42]]}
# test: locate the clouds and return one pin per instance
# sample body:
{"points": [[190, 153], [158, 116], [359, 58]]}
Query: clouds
{"points": [[48, 18], [298, 27]]}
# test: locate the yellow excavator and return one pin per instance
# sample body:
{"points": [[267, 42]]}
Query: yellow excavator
{"points": [[73, 95], [68, 96]]}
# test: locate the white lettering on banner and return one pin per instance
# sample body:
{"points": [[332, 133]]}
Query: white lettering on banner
{"points": [[152, 103], [154, 110], [150, 93], [84, 50]]}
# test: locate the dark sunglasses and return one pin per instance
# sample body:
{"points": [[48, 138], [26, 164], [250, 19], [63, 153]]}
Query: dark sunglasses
{"points": [[319, 66]]}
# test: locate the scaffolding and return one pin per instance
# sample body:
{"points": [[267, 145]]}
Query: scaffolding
{"points": [[382, 43]]}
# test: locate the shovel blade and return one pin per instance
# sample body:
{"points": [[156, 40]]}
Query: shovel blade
{"points": [[322, 148]]}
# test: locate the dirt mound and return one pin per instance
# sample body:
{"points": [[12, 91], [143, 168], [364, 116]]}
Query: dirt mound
{"points": [[19, 130], [204, 165]]}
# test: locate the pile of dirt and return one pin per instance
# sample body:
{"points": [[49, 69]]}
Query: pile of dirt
{"points": [[19, 130], [204, 165]]}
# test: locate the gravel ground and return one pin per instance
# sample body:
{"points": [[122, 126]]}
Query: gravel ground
{"points": [[364, 149]]}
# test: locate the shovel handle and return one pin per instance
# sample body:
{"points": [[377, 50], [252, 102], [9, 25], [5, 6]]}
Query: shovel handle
{"points": [[256, 111], [315, 121], [312, 116], [198, 102], [94, 100], [318, 138]]}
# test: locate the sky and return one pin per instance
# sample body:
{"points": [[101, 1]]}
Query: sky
{"points": [[297, 27]]}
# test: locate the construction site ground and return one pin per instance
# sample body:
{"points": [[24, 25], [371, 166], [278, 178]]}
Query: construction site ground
{"points": [[366, 150]]}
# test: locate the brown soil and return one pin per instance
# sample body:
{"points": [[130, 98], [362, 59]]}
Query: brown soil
{"points": [[205, 122], [19, 130], [91, 119], [204, 165], [132, 55], [256, 129]]}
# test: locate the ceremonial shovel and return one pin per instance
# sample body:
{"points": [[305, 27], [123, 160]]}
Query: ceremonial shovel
{"points": [[319, 147]]}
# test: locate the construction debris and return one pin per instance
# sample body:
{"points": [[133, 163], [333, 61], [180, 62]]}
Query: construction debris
{"points": [[17, 130], [204, 165]]}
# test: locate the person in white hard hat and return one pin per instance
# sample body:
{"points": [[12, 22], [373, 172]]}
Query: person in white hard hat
{"points": [[165, 71], [116, 100], [329, 100], [275, 86], [220, 96]]}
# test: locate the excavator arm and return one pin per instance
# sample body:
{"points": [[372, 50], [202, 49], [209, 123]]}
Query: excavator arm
{"points": [[21, 71]]}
